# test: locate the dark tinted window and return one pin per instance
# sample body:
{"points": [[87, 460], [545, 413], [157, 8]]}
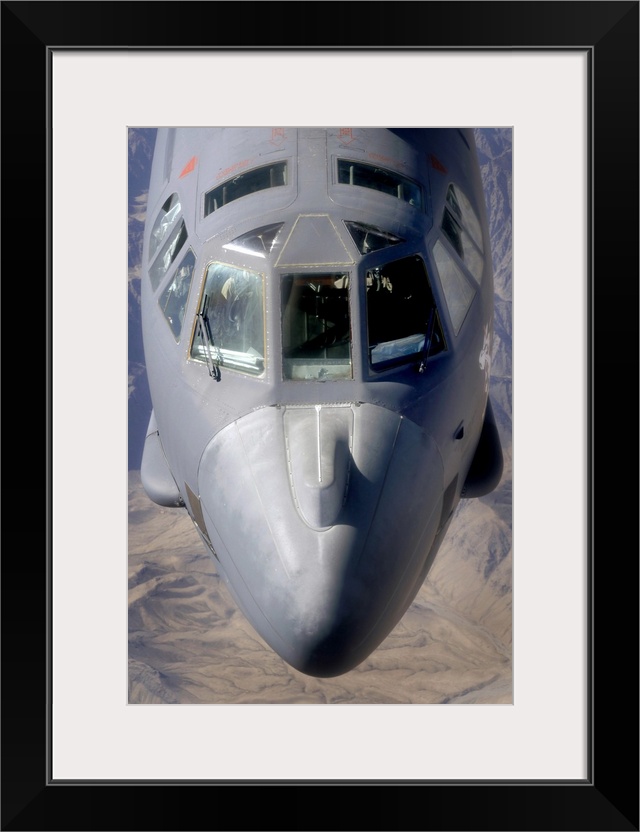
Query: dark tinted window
{"points": [[379, 179], [402, 319], [259, 179], [316, 328], [369, 238]]}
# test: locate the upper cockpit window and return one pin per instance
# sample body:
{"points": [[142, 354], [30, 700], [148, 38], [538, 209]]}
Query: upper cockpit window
{"points": [[173, 300], [462, 228], [402, 318], [257, 243], [258, 179], [229, 328], [168, 254], [164, 221], [316, 327], [369, 238], [379, 179], [463, 208]]}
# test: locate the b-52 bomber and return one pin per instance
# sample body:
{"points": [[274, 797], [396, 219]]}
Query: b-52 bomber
{"points": [[317, 313]]}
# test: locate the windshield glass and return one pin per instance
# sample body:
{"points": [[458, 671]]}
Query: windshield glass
{"points": [[164, 220], [168, 254], [173, 300], [462, 228], [316, 327], [232, 307], [401, 311]]}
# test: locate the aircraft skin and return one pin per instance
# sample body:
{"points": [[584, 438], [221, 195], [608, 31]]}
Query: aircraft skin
{"points": [[317, 313]]}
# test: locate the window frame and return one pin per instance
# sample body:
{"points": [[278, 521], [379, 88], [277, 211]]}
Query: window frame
{"points": [[156, 244], [335, 275], [283, 163], [458, 263], [402, 361], [199, 307], [454, 213], [177, 337], [182, 237], [402, 179]]}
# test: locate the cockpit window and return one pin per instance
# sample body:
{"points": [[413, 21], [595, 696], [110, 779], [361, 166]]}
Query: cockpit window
{"points": [[259, 179], [379, 179], [316, 327], [461, 205], [164, 221], [458, 289], [229, 328], [170, 251], [258, 243], [369, 238], [402, 318], [462, 228], [173, 301]]}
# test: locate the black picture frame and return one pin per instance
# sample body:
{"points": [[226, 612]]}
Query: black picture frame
{"points": [[608, 798]]}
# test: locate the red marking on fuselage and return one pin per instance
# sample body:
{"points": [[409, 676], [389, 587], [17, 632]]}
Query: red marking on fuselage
{"points": [[277, 136], [436, 163], [188, 167], [378, 157], [346, 135], [233, 168]]}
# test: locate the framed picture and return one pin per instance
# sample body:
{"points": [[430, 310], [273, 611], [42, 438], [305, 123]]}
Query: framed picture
{"points": [[77, 756], [451, 640]]}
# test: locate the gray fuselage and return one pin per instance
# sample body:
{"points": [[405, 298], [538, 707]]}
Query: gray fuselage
{"points": [[317, 312]]}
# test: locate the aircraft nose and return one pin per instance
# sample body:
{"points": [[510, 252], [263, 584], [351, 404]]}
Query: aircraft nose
{"points": [[322, 519]]}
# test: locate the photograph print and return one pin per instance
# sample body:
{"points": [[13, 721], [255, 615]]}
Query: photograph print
{"points": [[319, 403]]}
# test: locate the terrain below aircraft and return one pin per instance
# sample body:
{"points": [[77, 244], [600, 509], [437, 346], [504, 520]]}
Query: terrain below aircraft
{"points": [[317, 314]]}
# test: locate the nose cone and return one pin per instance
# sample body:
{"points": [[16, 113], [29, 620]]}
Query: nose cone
{"points": [[323, 519]]}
